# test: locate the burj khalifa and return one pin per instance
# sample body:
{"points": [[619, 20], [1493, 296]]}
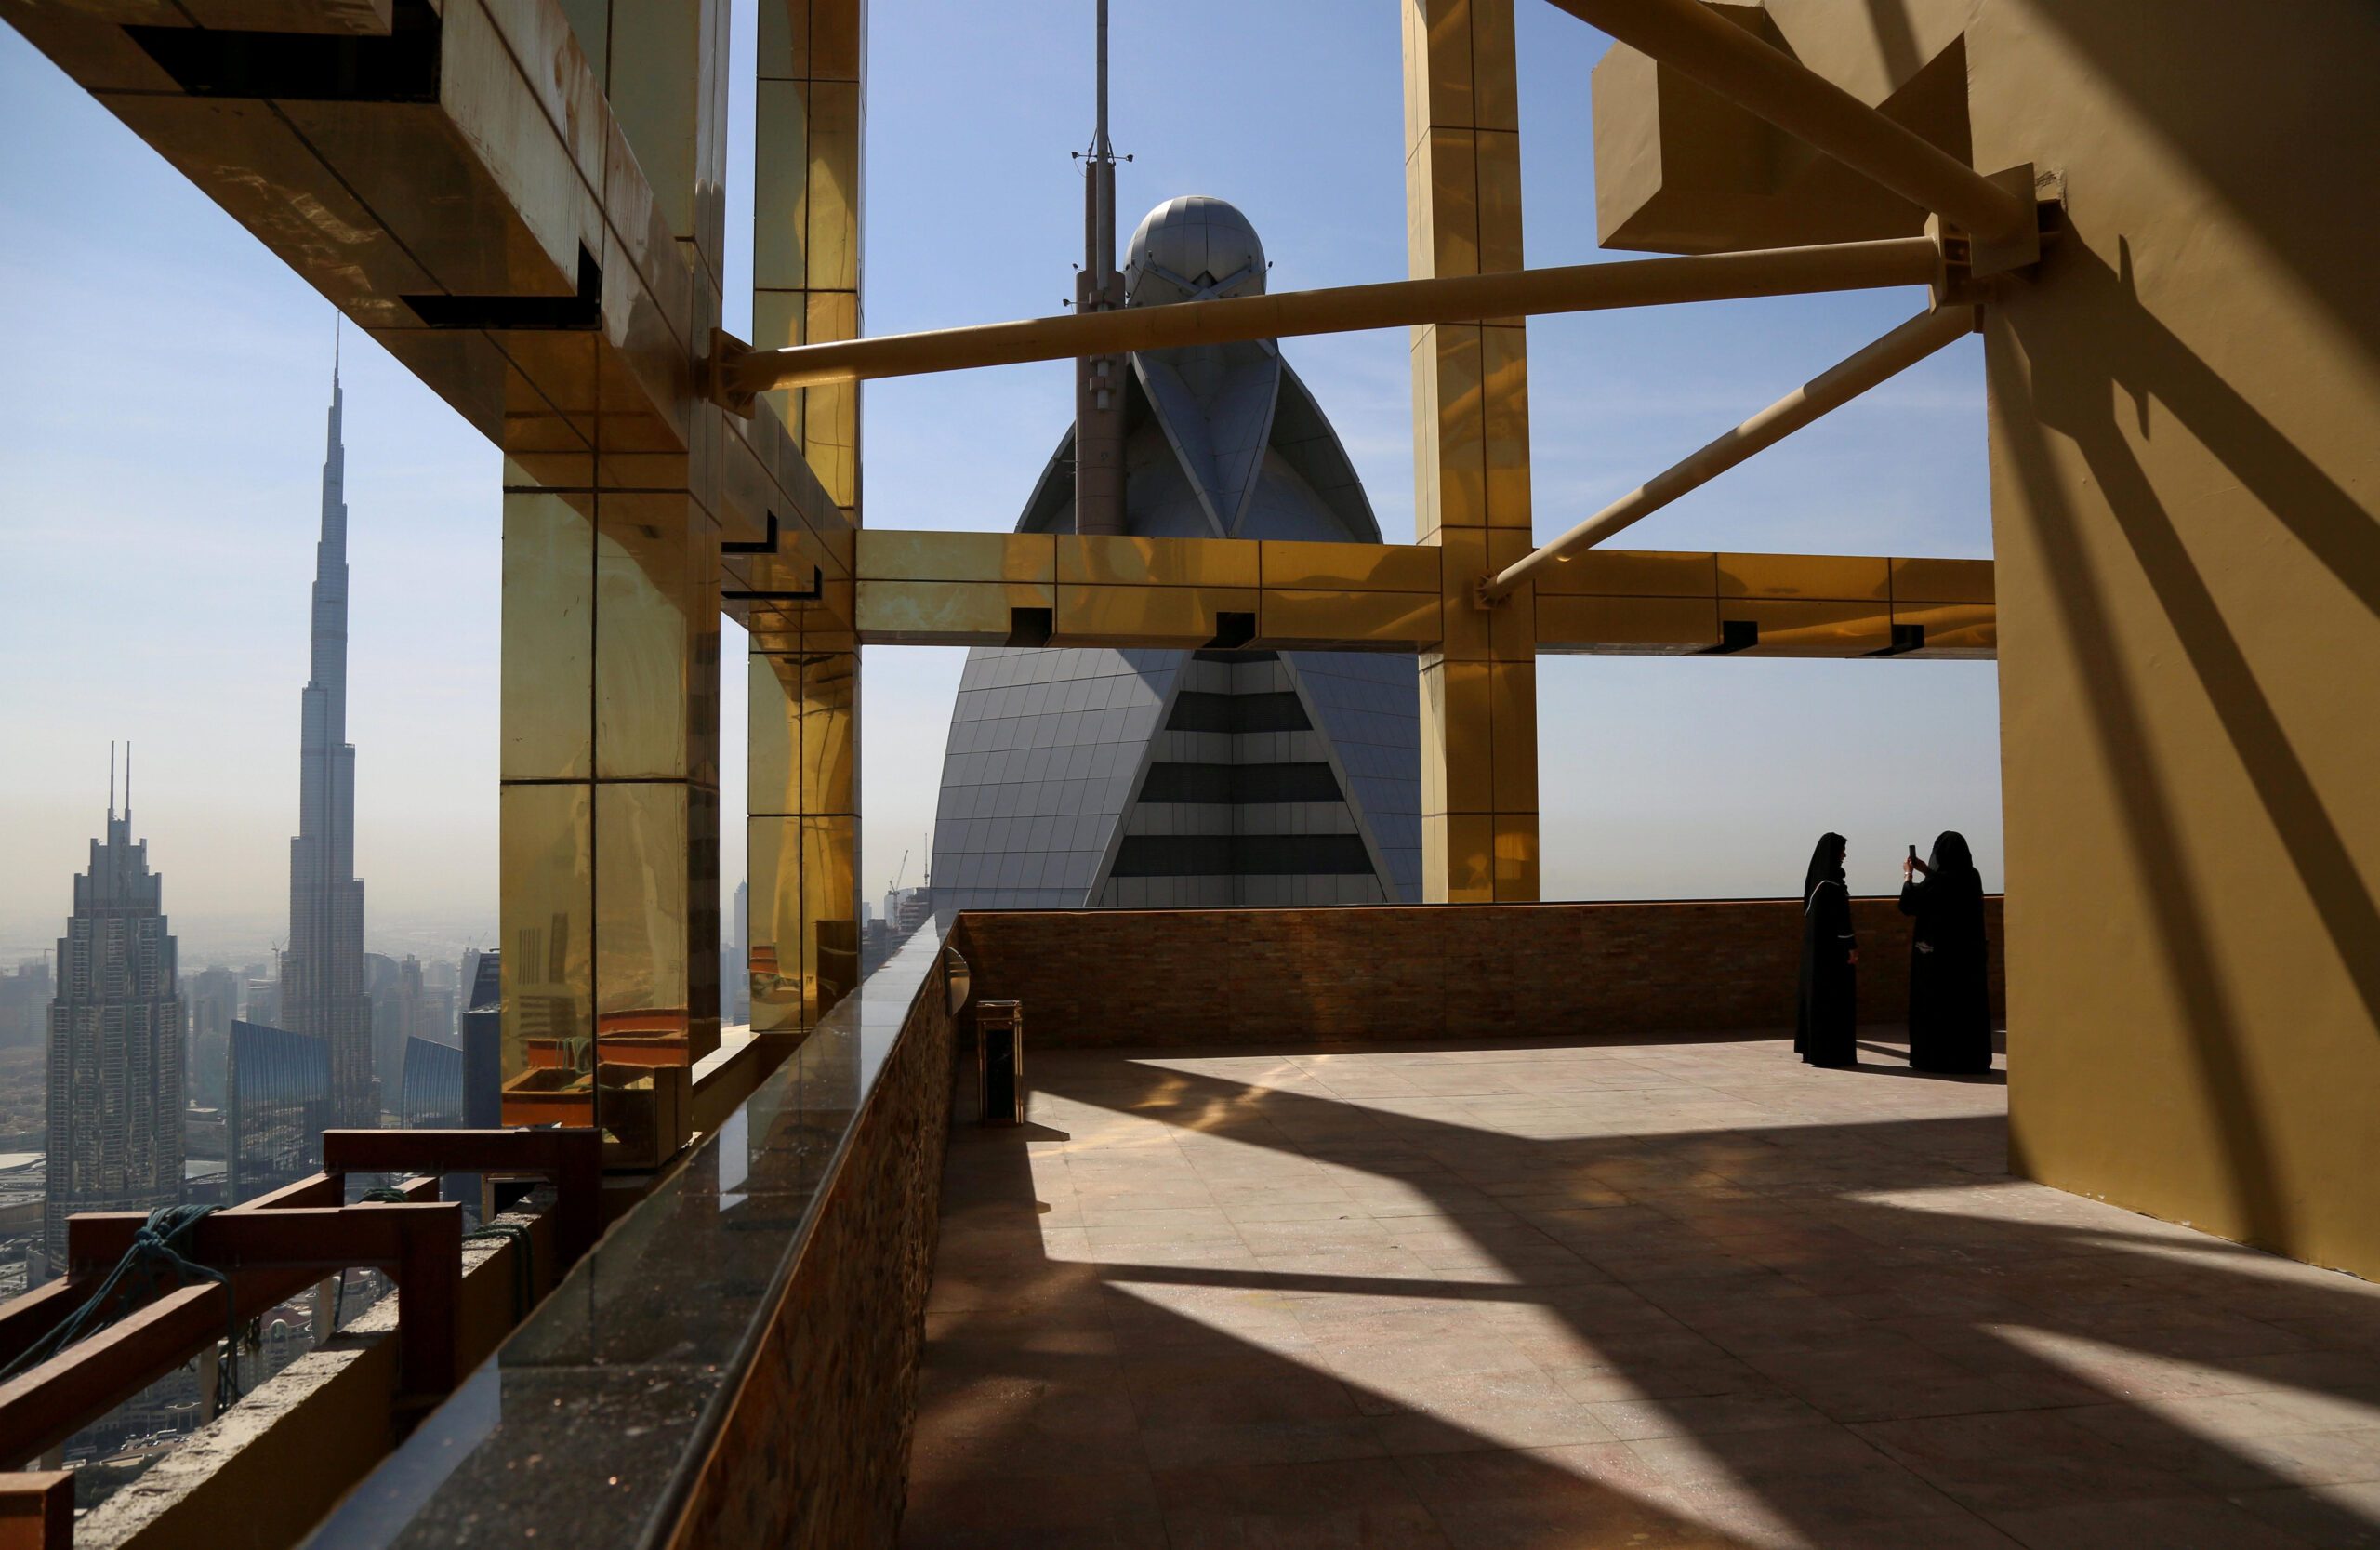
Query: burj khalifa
{"points": [[322, 972]]}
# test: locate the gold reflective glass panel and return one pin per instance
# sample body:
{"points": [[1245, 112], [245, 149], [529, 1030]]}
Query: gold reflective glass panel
{"points": [[546, 924], [1942, 581], [1814, 628], [1515, 849], [774, 863], [773, 708], [1512, 720], [1504, 427], [1458, 425], [648, 596], [1471, 858], [1829, 576], [545, 673], [830, 207], [1289, 618], [642, 994], [1162, 562], [1954, 629], [891, 554], [1456, 718], [829, 749], [830, 912], [1626, 623], [1349, 567], [1639, 573], [945, 613], [1147, 616]]}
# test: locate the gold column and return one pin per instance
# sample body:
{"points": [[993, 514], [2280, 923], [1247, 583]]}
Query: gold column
{"points": [[803, 830], [610, 796], [803, 848], [806, 215], [1462, 183], [610, 704]]}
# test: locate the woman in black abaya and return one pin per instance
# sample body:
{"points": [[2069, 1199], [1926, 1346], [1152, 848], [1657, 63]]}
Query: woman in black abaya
{"points": [[1950, 1002], [1822, 1033]]}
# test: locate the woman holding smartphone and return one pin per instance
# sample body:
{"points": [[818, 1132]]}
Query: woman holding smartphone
{"points": [[1950, 1000]]}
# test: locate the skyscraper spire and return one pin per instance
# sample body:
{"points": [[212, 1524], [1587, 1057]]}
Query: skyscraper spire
{"points": [[116, 1040], [321, 976], [1099, 386]]}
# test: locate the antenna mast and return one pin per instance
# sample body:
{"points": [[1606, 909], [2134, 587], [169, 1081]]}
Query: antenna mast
{"points": [[1099, 386]]}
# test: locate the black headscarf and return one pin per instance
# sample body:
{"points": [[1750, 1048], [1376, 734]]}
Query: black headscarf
{"points": [[1826, 862], [1950, 857]]}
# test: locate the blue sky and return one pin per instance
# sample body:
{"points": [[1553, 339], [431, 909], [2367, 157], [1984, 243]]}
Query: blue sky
{"points": [[161, 425]]}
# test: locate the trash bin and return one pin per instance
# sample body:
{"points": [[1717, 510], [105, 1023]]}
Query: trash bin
{"points": [[1000, 1062]]}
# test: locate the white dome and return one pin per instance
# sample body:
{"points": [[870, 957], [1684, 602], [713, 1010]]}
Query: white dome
{"points": [[1192, 246]]}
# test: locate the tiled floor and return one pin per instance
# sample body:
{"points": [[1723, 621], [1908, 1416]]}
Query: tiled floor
{"points": [[1690, 1293]]}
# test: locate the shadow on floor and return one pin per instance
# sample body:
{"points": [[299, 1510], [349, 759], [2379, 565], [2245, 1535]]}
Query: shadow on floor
{"points": [[1350, 1298]]}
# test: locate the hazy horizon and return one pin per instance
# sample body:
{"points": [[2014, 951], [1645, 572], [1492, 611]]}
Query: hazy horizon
{"points": [[157, 535]]}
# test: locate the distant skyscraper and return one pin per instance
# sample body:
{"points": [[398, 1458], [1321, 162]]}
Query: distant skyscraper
{"points": [[115, 1042], [1089, 777], [735, 962], [276, 1104], [322, 975], [212, 997]]}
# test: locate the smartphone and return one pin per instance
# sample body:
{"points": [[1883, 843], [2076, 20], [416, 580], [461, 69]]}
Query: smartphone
{"points": [[1912, 853]]}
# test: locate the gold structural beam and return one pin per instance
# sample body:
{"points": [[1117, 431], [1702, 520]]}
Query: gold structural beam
{"points": [[1390, 304], [1838, 385], [1730, 61], [945, 589]]}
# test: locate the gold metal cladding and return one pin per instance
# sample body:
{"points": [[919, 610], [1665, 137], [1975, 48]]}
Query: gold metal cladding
{"points": [[1942, 581], [1894, 353], [1629, 625], [801, 833], [949, 612], [545, 910], [1953, 630], [1730, 61], [804, 682], [1470, 453], [885, 554], [547, 667], [1157, 615], [1349, 567], [641, 840], [1360, 621], [1390, 304], [1156, 562], [1814, 628], [1635, 573], [773, 845], [809, 106], [1831, 577]]}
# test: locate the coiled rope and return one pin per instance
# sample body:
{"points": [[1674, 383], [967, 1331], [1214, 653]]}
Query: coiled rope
{"points": [[158, 1250]]}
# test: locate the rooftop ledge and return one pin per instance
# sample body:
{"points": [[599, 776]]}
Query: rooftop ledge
{"points": [[736, 1360]]}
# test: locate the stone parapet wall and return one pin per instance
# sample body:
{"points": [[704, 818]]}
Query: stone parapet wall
{"points": [[1299, 976], [815, 1451]]}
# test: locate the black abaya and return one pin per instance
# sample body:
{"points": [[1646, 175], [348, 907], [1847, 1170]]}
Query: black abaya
{"points": [[1950, 1000], [1824, 1026]]}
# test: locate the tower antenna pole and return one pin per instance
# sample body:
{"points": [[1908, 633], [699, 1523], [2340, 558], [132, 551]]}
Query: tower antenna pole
{"points": [[110, 780], [1098, 384], [1102, 173]]}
